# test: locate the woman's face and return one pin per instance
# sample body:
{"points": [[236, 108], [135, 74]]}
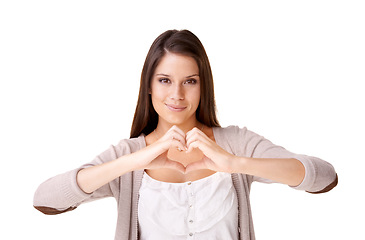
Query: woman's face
{"points": [[175, 89]]}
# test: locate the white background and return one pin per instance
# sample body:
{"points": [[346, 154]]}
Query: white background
{"points": [[288, 70]]}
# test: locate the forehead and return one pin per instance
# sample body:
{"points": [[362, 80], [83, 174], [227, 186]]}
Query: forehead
{"points": [[177, 64]]}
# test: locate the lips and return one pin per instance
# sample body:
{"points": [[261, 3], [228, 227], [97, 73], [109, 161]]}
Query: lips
{"points": [[175, 108]]}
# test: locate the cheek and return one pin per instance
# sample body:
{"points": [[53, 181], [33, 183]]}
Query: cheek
{"points": [[157, 98], [156, 93], [156, 101], [195, 97]]}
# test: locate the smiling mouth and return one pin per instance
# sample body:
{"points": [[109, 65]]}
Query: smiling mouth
{"points": [[175, 108]]}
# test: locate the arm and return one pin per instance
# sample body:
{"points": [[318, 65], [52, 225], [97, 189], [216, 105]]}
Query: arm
{"points": [[242, 151], [288, 171], [95, 180], [62, 193], [92, 178], [151, 157], [320, 176]]}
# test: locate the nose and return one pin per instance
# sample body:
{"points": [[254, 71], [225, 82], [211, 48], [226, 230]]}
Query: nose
{"points": [[177, 92]]}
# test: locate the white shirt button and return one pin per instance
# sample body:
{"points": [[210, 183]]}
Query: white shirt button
{"points": [[191, 221], [191, 234]]}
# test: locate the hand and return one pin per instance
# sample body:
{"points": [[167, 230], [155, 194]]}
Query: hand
{"points": [[215, 158], [155, 156]]}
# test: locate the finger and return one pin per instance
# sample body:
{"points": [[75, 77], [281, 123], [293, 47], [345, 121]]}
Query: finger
{"points": [[193, 131], [177, 129], [175, 134], [175, 165], [177, 144], [179, 138], [197, 144], [171, 143], [196, 136], [173, 140], [191, 146], [190, 137]]}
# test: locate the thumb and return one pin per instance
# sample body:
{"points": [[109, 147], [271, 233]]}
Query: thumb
{"points": [[195, 166], [175, 165]]}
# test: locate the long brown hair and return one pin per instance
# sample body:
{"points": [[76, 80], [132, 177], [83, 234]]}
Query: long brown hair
{"points": [[182, 42]]}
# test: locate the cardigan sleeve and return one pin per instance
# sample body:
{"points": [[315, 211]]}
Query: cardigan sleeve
{"points": [[62, 193], [320, 176]]}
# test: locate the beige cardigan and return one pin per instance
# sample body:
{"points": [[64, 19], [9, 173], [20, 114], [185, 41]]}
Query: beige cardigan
{"points": [[61, 193]]}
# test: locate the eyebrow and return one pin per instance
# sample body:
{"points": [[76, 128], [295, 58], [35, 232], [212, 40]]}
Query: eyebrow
{"points": [[166, 75]]}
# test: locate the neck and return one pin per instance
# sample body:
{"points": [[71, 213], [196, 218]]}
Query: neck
{"points": [[163, 127]]}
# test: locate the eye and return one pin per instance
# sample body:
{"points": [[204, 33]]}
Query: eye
{"points": [[191, 81], [164, 80]]}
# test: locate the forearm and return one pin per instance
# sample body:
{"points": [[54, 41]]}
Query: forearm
{"points": [[91, 178], [288, 171]]}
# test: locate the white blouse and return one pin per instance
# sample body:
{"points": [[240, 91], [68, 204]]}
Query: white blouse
{"points": [[202, 209]]}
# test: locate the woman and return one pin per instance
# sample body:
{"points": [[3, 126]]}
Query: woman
{"points": [[181, 175]]}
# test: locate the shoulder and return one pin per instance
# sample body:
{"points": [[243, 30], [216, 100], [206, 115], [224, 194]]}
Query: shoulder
{"points": [[130, 145], [234, 132], [229, 132], [239, 139], [124, 146], [230, 138]]}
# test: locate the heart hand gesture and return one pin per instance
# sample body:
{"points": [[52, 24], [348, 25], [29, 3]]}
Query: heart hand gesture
{"points": [[187, 153]]}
